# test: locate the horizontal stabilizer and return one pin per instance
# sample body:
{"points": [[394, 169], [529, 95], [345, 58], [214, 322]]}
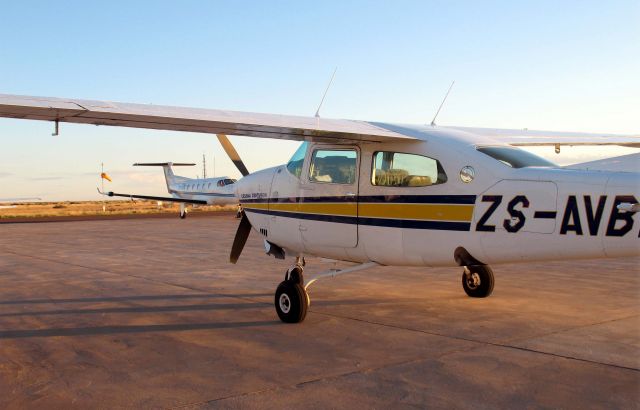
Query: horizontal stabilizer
{"points": [[162, 164]]}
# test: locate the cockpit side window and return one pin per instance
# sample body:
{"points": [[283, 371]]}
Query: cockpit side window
{"points": [[515, 157], [297, 160], [397, 169], [335, 166]]}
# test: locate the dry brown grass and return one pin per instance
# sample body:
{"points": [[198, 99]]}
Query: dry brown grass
{"points": [[88, 208]]}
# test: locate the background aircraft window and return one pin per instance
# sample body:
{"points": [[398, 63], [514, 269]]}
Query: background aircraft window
{"points": [[229, 181], [295, 163], [516, 157], [406, 170], [221, 183], [333, 166]]}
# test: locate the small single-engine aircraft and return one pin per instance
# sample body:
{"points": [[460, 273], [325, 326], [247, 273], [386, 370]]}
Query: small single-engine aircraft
{"points": [[197, 191], [403, 195]]}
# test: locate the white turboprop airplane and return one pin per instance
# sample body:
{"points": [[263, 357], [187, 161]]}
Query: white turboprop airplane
{"points": [[383, 194], [12, 201], [197, 191]]}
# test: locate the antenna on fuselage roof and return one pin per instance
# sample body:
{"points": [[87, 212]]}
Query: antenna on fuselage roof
{"points": [[325, 92], [433, 121]]}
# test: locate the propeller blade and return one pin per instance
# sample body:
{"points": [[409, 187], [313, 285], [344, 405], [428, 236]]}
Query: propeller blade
{"points": [[241, 238], [233, 154]]}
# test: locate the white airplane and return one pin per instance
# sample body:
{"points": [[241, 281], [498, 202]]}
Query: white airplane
{"points": [[197, 191], [12, 201], [403, 195]]}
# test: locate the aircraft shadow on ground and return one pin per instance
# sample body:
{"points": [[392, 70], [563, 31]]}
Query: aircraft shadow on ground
{"points": [[131, 298], [107, 330], [115, 329], [175, 308]]}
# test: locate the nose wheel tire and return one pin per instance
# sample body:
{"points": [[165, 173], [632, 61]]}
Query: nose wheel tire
{"points": [[478, 281], [183, 215], [291, 302]]}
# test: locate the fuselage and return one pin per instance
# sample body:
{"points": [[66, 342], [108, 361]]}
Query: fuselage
{"points": [[215, 191], [430, 202]]}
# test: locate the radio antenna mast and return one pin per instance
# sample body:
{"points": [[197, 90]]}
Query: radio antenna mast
{"points": [[325, 92], [433, 121]]}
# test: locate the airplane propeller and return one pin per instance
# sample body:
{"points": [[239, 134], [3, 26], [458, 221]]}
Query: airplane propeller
{"points": [[244, 228], [233, 154]]}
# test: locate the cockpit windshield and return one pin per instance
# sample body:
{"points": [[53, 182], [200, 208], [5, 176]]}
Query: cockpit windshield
{"points": [[515, 157], [296, 162]]}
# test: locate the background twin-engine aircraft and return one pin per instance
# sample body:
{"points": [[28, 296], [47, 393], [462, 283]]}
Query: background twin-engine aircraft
{"points": [[384, 194]]}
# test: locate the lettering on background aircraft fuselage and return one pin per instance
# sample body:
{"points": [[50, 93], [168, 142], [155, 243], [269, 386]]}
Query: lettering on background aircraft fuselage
{"points": [[619, 224]]}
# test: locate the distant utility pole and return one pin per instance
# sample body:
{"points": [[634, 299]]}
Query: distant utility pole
{"points": [[204, 166]]}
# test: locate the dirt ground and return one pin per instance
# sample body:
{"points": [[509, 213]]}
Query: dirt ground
{"points": [[41, 210]]}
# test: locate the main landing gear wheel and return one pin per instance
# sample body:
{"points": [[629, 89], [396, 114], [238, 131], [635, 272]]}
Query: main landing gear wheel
{"points": [[477, 281], [183, 214], [291, 302]]}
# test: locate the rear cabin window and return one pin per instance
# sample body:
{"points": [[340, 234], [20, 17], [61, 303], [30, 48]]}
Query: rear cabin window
{"points": [[295, 163], [515, 157], [333, 166], [396, 169]]}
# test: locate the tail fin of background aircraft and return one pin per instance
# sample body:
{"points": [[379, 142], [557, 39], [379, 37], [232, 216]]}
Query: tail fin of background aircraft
{"points": [[169, 176]]}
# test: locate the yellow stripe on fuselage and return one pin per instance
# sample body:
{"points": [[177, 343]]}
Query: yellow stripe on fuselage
{"points": [[431, 212], [342, 209]]}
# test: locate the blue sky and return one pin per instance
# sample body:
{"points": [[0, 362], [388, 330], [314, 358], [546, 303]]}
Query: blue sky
{"points": [[569, 66]]}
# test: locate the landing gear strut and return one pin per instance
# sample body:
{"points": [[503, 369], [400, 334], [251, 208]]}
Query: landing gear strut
{"points": [[183, 211], [292, 298], [477, 281]]}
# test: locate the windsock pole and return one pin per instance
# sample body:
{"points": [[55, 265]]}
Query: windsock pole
{"points": [[104, 204]]}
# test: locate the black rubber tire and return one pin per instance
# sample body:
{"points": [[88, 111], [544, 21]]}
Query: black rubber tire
{"points": [[183, 215], [291, 302], [485, 276]]}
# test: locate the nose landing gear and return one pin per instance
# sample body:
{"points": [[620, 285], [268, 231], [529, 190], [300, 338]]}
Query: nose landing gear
{"points": [[292, 296], [183, 211], [292, 300], [477, 281]]}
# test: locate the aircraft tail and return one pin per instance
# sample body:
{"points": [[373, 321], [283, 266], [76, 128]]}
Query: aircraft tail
{"points": [[167, 167]]}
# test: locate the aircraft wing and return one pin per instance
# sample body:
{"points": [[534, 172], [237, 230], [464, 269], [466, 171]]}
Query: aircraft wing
{"points": [[191, 119], [156, 198], [526, 137], [625, 163]]}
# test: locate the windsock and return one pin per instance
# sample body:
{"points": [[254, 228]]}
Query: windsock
{"points": [[105, 176]]}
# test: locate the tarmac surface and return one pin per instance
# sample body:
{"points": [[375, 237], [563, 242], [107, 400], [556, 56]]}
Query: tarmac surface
{"points": [[148, 313]]}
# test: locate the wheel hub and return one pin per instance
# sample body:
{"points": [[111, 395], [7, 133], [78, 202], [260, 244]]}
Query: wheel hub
{"points": [[473, 280], [285, 303]]}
